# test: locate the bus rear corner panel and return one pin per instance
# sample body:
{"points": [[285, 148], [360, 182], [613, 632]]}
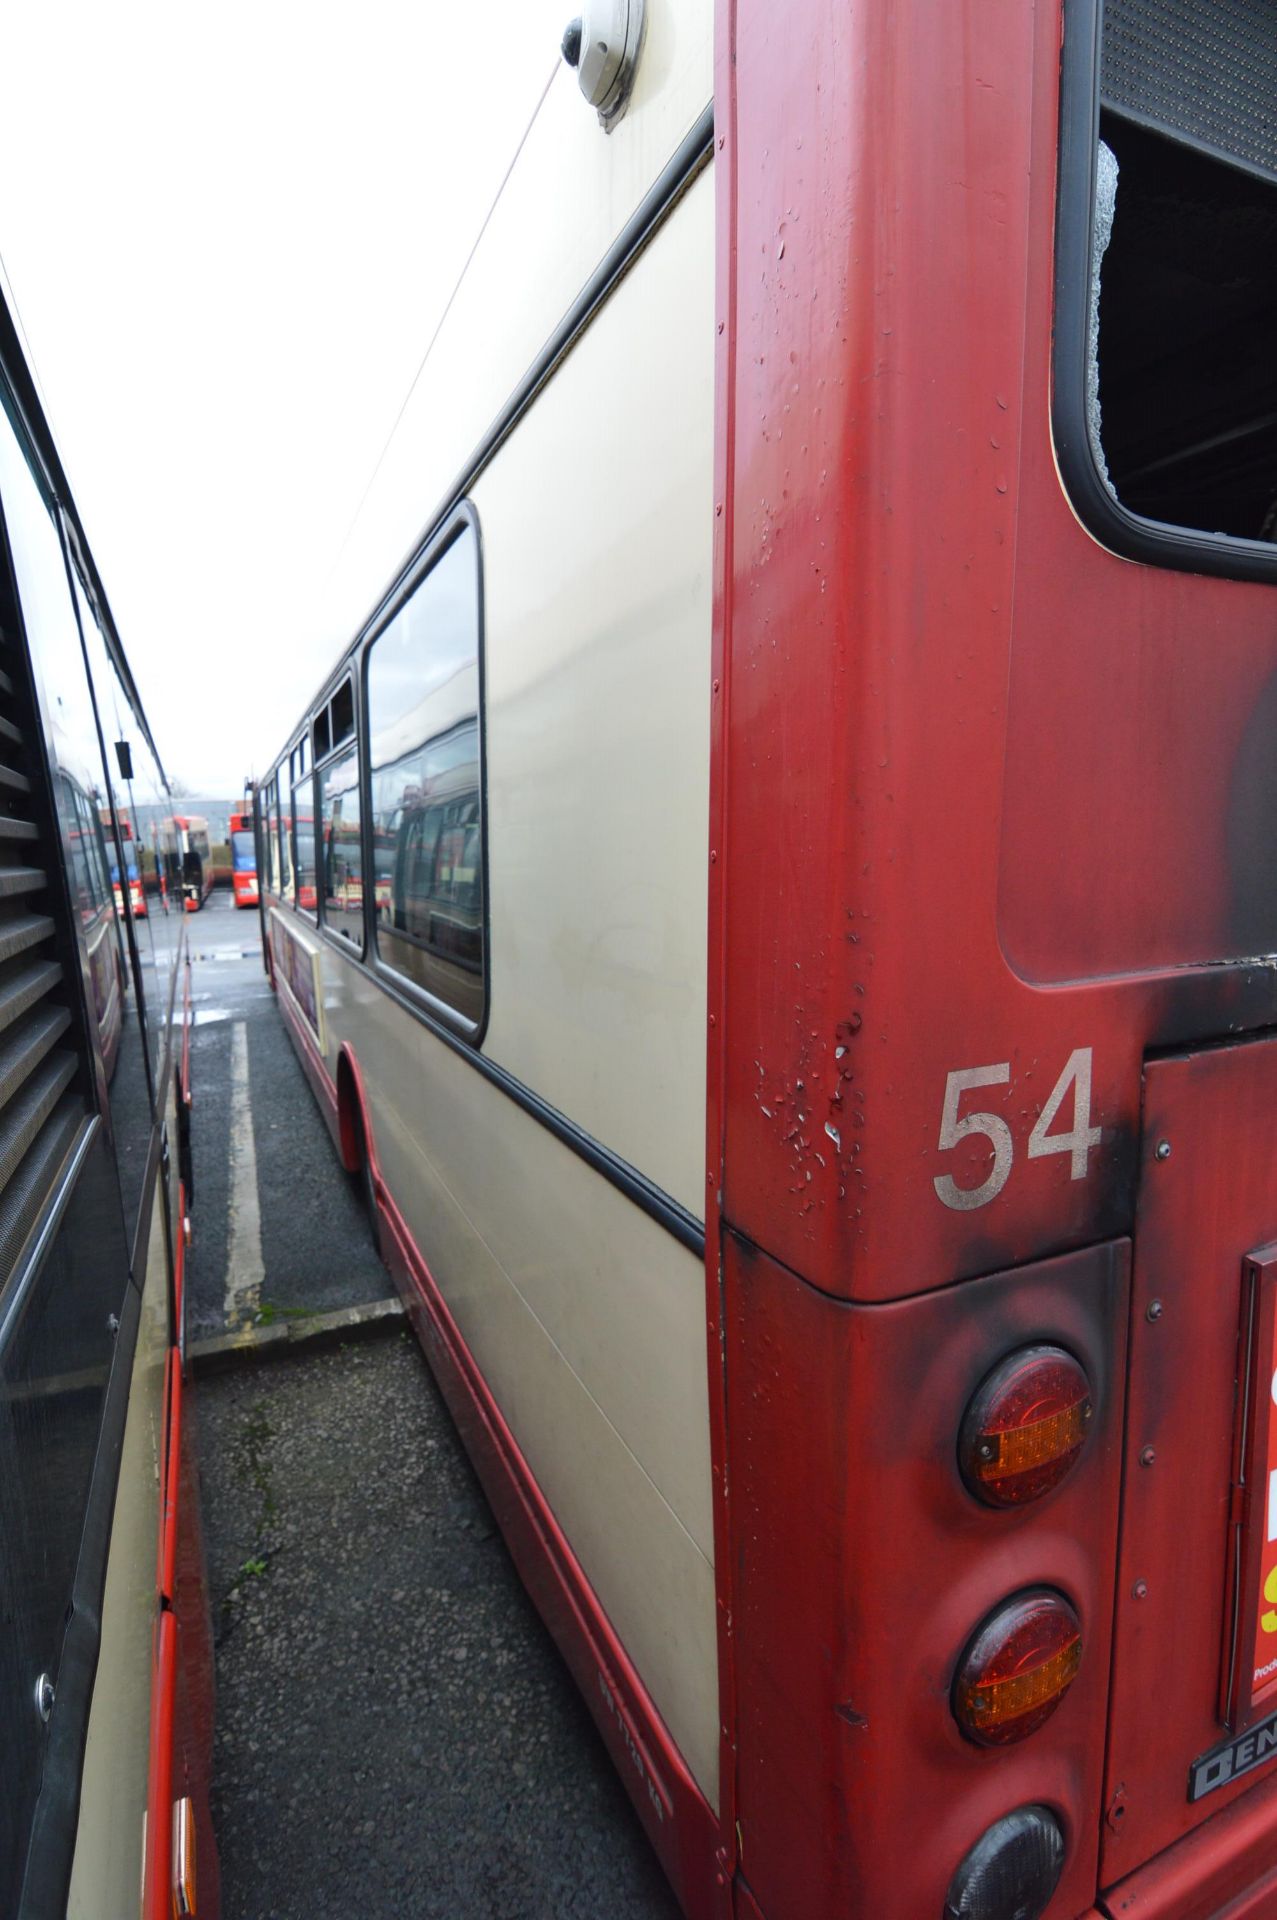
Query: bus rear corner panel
{"points": [[889, 1762]]}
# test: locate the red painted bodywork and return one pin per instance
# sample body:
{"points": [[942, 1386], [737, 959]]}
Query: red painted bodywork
{"points": [[170, 1476], [182, 1683], [848, 1462], [1199, 1878], [137, 899], [983, 795], [157, 1899], [987, 814], [745, 1907], [182, 1672], [195, 1717], [243, 883], [1202, 1210]]}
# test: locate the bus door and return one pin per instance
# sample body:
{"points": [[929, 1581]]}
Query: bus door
{"points": [[1194, 1695]]}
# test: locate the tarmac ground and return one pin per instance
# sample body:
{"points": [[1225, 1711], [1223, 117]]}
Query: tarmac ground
{"points": [[396, 1733]]}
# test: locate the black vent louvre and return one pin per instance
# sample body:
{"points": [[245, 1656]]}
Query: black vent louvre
{"points": [[40, 1109], [1202, 71]]}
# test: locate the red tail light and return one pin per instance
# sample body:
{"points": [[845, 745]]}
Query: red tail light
{"points": [[1025, 1426], [1018, 1668]]}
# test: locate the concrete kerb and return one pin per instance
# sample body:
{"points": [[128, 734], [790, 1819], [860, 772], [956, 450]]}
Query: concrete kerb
{"points": [[372, 1320]]}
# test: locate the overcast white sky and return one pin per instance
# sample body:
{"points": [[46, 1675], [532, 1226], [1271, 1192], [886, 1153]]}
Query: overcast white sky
{"points": [[230, 232]]}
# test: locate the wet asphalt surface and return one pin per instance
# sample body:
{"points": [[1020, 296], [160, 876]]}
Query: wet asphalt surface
{"points": [[315, 1245], [396, 1734]]}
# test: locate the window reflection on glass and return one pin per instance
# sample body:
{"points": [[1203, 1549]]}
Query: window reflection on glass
{"points": [[343, 857], [82, 797], [427, 824], [270, 818], [303, 831], [130, 1094], [91, 891], [285, 832], [142, 801], [78, 874]]}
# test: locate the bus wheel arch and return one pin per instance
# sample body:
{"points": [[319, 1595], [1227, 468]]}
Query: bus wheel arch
{"points": [[352, 1133], [355, 1136]]}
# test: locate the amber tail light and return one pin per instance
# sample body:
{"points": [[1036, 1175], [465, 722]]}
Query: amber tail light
{"points": [[1018, 1668], [1025, 1426]]}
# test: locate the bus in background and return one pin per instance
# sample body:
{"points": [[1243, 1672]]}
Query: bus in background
{"points": [[133, 880], [106, 1649], [184, 857], [807, 686], [244, 859]]}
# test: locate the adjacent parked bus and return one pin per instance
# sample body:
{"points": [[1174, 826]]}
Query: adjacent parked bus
{"points": [[105, 1648], [244, 859], [810, 1035]]}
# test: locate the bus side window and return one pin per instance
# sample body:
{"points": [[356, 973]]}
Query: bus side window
{"points": [[285, 831], [419, 873], [1178, 395], [97, 857], [272, 837], [303, 827], [422, 684], [343, 893]]}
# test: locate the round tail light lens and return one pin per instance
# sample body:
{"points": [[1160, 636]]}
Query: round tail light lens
{"points": [[1018, 1668], [1012, 1870], [1025, 1426]]}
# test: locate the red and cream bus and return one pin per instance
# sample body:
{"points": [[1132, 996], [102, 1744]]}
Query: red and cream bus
{"points": [[243, 838], [105, 1647], [810, 1038]]}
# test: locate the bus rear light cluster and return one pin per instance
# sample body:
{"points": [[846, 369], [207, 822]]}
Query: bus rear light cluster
{"points": [[1017, 1669], [1012, 1870], [1025, 1427]]}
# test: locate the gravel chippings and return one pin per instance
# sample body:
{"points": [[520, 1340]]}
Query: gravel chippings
{"points": [[396, 1735]]}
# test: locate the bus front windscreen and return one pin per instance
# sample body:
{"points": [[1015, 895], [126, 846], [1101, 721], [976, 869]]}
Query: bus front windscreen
{"points": [[243, 852]]}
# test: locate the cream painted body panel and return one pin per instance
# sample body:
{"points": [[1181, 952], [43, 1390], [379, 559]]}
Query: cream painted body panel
{"points": [[568, 196], [597, 521], [106, 1874]]}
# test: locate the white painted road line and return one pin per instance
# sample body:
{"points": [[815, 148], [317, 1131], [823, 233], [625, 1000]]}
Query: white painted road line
{"points": [[244, 1267]]}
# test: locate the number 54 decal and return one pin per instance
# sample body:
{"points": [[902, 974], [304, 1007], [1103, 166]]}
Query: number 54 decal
{"points": [[956, 1126]]}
